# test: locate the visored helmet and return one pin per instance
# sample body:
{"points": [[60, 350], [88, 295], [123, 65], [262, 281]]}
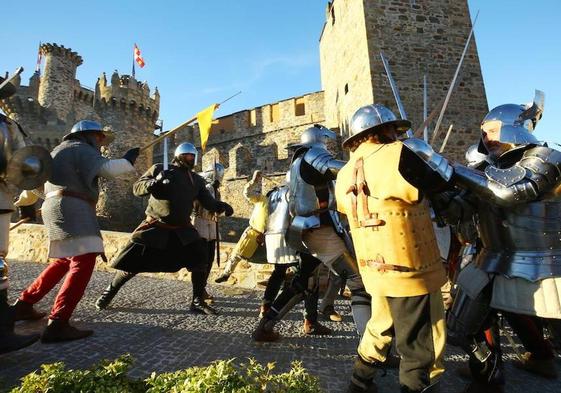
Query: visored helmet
{"points": [[371, 118], [186, 148], [513, 123], [89, 126], [317, 136]]}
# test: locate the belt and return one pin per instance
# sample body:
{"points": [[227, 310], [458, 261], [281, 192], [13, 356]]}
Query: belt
{"points": [[383, 267], [154, 222], [71, 194]]}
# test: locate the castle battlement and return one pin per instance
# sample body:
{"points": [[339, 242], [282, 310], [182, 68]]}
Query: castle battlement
{"points": [[128, 92], [61, 52]]}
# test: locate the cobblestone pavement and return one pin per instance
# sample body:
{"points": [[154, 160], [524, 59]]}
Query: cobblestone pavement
{"points": [[149, 318]]}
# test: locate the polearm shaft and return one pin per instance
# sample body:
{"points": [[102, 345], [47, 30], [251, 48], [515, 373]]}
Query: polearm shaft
{"points": [[266, 176], [453, 84], [169, 133], [17, 224], [182, 125]]}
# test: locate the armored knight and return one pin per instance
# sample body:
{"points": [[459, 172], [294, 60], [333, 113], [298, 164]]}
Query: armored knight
{"points": [[316, 229], [20, 167], [518, 209]]}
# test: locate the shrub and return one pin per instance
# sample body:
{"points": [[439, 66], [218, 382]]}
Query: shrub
{"points": [[222, 376]]}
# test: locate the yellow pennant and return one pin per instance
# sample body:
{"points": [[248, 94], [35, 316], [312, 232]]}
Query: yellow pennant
{"points": [[204, 118]]}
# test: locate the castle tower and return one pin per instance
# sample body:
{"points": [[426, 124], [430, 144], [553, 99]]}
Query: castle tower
{"points": [[418, 37], [56, 90], [52, 103]]}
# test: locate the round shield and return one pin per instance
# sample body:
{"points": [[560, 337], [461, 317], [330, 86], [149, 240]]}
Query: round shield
{"points": [[29, 167]]}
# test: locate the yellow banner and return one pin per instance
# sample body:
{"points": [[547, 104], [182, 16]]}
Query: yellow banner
{"points": [[204, 118]]}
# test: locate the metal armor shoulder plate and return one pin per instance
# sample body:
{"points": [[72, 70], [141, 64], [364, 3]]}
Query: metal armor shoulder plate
{"points": [[544, 165], [322, 160], [435, 161], [506, 177]]}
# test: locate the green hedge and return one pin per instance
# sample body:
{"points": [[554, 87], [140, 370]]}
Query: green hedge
{"points": [[219, 377]]}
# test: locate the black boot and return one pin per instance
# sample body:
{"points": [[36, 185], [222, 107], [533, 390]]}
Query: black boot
{"points": [[9, 341], [199, 306], [120, 279], [362, 380], [106, 296]]}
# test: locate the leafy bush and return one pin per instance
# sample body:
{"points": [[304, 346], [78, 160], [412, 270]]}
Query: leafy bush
{"points": [[219, 377], [104, 377]]}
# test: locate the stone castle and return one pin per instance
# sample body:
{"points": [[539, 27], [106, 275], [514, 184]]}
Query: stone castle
{"points": [[419, 37]]}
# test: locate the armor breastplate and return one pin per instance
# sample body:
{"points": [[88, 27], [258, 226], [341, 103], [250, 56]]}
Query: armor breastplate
{"points": [[521, 241], [303, 198], [279, 218]]}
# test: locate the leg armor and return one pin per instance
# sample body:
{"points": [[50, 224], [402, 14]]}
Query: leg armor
{"points": [[346, 268], [303, 283]]}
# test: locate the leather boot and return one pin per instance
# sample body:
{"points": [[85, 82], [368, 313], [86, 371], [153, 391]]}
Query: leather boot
{"points": [[330, 314], [25, 312], [106, 297], [199, 306], [265, 331], [542, 367], [222, 278], [58, 331], [9, 341], [316, 328]]}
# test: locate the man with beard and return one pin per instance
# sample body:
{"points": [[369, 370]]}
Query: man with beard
{"points": [[166, 241], [517, 206], [69, 214]]}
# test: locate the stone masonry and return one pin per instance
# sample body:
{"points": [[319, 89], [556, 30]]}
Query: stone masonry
{"points": [[55, 100], [418, 37]]}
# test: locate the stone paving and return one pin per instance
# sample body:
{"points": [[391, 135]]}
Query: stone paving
{"points": [[149, 318]]}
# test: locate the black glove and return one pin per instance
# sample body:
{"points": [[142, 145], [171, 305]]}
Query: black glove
{"points": [[158, 184], [132, 154], [226, 209]]}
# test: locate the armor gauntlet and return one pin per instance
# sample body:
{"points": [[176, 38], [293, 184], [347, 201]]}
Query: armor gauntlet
{"points": [[435, 161], [323, 161], [536, 174]]}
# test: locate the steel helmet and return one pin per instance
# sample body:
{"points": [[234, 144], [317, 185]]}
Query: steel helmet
{"points": [[186, 148], [316, 136], [86, 126], [371, 118]]}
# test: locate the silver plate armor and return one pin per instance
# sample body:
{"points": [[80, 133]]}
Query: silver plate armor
{"points": [[435, 161], [519, 219]]}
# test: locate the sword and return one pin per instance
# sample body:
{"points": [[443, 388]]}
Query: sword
{"points": [[395, 92]]}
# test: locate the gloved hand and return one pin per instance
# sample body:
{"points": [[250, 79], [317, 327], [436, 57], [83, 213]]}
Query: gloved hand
{"points": [[226, 209], [158, 184], [132, 154]]}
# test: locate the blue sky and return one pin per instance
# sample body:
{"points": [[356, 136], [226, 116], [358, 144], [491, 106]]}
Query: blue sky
{"points": [[200, 52]]}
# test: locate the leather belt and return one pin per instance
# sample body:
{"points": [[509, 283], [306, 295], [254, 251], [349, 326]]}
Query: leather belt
{"points": [[383, 267], [154, 222], [71, 194]]}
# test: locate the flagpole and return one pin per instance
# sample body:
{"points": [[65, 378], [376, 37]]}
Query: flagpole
{"points": [[133, 49]]}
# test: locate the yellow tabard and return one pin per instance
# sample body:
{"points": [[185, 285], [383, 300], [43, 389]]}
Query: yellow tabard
{"points": [[391, 227]]}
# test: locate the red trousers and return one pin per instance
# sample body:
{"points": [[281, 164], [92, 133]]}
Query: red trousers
{"points": [[78, 270]]}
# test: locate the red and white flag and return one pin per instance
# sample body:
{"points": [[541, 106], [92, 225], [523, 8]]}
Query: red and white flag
{"points": [[137, 57]]}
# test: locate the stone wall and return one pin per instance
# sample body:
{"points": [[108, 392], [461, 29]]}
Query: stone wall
{"points": [[51, 104], [29, 242], [418, 38]]}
